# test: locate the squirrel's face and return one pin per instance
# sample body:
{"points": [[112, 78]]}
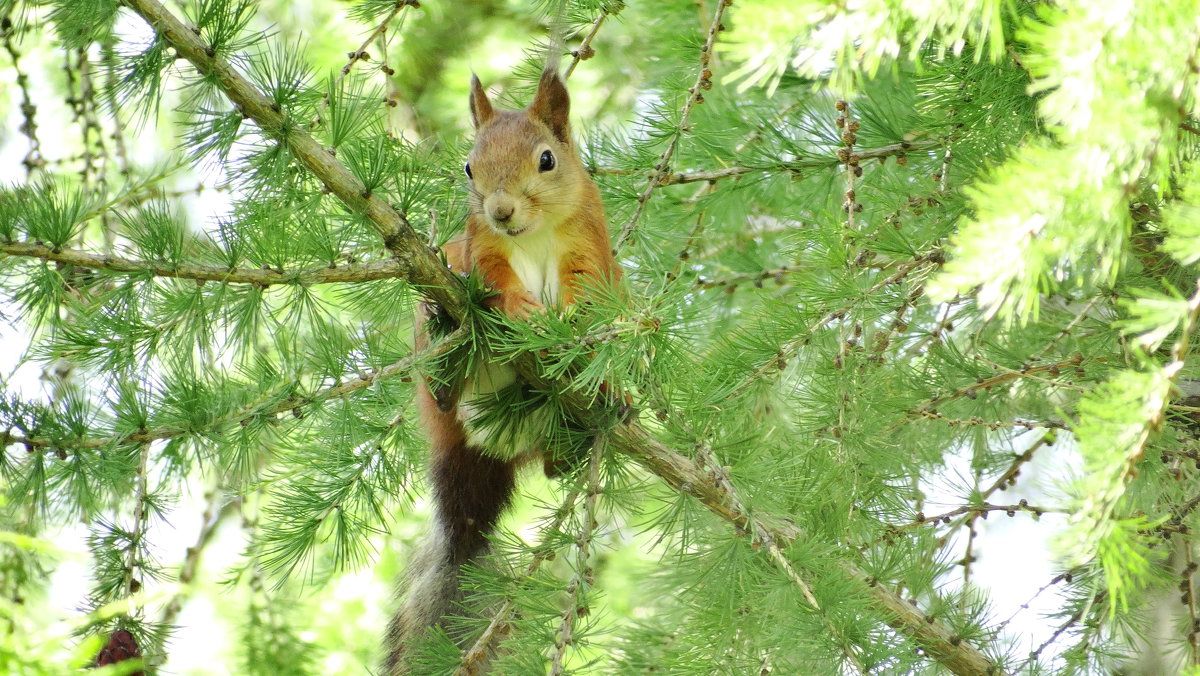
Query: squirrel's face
{"points": [[524, 173]]}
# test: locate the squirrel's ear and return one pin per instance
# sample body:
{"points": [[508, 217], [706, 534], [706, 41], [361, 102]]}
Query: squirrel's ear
{"points": [[552, 105], [481, 108]]}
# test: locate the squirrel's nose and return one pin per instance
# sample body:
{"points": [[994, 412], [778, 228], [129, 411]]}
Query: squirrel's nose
{"points": [[502, 213]]}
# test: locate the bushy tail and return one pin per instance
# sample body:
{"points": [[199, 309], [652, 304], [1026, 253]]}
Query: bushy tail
{"points": [[470, 491]]}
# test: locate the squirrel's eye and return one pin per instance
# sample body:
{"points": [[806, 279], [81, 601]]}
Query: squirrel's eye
{"points": [[467, 168], [547, 161]]}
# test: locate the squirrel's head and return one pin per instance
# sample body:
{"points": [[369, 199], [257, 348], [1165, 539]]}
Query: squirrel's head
{"points": [[525, 174]]}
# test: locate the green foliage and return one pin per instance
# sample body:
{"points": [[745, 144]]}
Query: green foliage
{"points": [[896, 268]]}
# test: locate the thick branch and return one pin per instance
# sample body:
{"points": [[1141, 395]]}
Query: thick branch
{"points": [[422, 268], [681, 473], [358, 272]]}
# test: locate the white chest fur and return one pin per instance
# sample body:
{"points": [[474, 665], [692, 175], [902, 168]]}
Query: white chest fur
{"points": [[534, 257]]}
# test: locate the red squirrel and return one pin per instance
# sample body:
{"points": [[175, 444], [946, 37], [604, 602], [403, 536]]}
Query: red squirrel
{"points": [[537, 235]]}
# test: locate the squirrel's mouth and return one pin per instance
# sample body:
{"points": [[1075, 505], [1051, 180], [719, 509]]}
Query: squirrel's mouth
{"points": [[513, 233]]}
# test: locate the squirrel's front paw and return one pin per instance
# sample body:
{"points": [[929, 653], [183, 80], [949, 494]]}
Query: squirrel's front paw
{"points": [[519, 305]]}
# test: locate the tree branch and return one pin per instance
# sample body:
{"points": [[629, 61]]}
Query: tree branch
{"points": [[695, 96], [475, 658], [398, 368], [422, 268], [390, 268], [585, 50], [677, 178], [684, 475]]}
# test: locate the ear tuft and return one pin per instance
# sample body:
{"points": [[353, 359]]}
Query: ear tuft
{"points": [[552, 105], [481, 107]]}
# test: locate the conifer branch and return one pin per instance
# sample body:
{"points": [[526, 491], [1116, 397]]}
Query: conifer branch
{"points": [[695, 96], [423, 269], [760, 536], [583, 579], [585, 51], [950, 650], [981, 509], [796, 167], [33, 160], [401, 369], [786, 350], [1170, 371], [388, 268], [217, 508]]}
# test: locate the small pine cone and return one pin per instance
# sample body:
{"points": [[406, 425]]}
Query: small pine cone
{"points": [[121, 646]]}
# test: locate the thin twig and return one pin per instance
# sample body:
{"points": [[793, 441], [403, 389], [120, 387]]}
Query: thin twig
{"points": [[360, 54], [260, 409], [216, 510], [979, 510], [1008, 375], [33, 160], [1066, 330], [991, 424], [693, 237], [796, 167], [585, 51], [695, 96], [110, 89], [733, 281], [137, 533], [846, 155], [584, 577], [1189, 598], [1061, 577], [388, 268], [1074, 619]]}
